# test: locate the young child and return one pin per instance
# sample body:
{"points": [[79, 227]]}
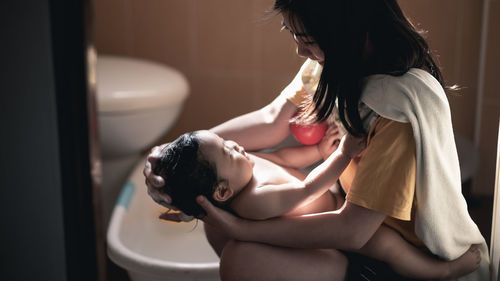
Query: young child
{"points": [[220, 169], [265, 185]]}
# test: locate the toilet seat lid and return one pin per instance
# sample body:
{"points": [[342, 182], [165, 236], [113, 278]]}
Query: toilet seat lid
{"points": [[127, 84]]}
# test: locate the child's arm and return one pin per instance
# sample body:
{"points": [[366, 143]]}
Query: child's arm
{"points": [[276, 200], [299, 157]]}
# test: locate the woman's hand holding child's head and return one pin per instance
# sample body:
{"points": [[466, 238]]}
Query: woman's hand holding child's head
{"points": [[330, 141], [351, 145], [152, 179], [155, 182], [222, 220]]}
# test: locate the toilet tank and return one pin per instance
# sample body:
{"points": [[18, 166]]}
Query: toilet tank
{"points": [[138, 101]]}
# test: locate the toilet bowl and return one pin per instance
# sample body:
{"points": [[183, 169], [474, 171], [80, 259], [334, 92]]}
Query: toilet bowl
{"points": [[150, 249], [137, 102]]}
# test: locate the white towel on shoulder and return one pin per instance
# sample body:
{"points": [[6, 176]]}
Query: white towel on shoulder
{"points": [[442, 221]]}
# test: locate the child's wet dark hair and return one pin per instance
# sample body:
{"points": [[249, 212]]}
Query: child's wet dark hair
{"points": [[187, 175]]}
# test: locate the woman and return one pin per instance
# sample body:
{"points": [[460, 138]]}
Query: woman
{"points": [[371, 55]]}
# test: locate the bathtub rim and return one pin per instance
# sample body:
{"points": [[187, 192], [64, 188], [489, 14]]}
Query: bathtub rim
{"points": [[130, 260]]}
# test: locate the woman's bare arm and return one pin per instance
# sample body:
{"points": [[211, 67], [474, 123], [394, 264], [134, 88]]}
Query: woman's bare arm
{"points": [[299, 157], [266, 127], [347, 229], [259, 129]]}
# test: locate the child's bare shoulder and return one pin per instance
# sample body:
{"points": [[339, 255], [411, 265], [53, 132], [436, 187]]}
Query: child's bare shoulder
{"points": [[265, 174]]}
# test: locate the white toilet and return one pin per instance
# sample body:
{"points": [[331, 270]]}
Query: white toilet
{"points": [[138, 101]]}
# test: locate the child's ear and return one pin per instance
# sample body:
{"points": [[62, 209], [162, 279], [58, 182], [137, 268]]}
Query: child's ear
{"points": [[222, 192]]}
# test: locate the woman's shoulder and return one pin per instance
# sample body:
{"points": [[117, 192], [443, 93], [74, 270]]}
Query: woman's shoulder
{"points": [[414, 78], [397, 96]]}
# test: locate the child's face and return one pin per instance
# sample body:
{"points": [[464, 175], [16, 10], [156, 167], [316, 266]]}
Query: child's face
{"points": [[232, 163]]}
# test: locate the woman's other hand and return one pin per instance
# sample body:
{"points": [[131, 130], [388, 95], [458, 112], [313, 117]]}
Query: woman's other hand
{"points": [[330, 141]]}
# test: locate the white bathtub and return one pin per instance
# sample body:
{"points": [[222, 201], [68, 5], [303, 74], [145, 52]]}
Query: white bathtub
{"points": [[150, 249]]}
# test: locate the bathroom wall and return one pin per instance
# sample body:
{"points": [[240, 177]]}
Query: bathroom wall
{"points": [[490, 109], [236, 61], [454, 33]]}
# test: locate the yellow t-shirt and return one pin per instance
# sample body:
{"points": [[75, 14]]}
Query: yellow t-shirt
{"points": [[382, 178], [304, 84], [298, 97], [386, 169]]}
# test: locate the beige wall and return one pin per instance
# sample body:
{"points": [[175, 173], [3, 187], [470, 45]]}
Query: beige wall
{"points": [[455, 33], [491, 103], [236, 62]]}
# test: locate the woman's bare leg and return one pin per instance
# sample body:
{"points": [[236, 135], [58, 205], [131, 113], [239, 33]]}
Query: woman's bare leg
{"points": [[405, 259], [243, 261]]}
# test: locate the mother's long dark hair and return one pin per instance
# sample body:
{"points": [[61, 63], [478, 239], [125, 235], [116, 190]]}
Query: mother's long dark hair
{"points": [[359, 38]]}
